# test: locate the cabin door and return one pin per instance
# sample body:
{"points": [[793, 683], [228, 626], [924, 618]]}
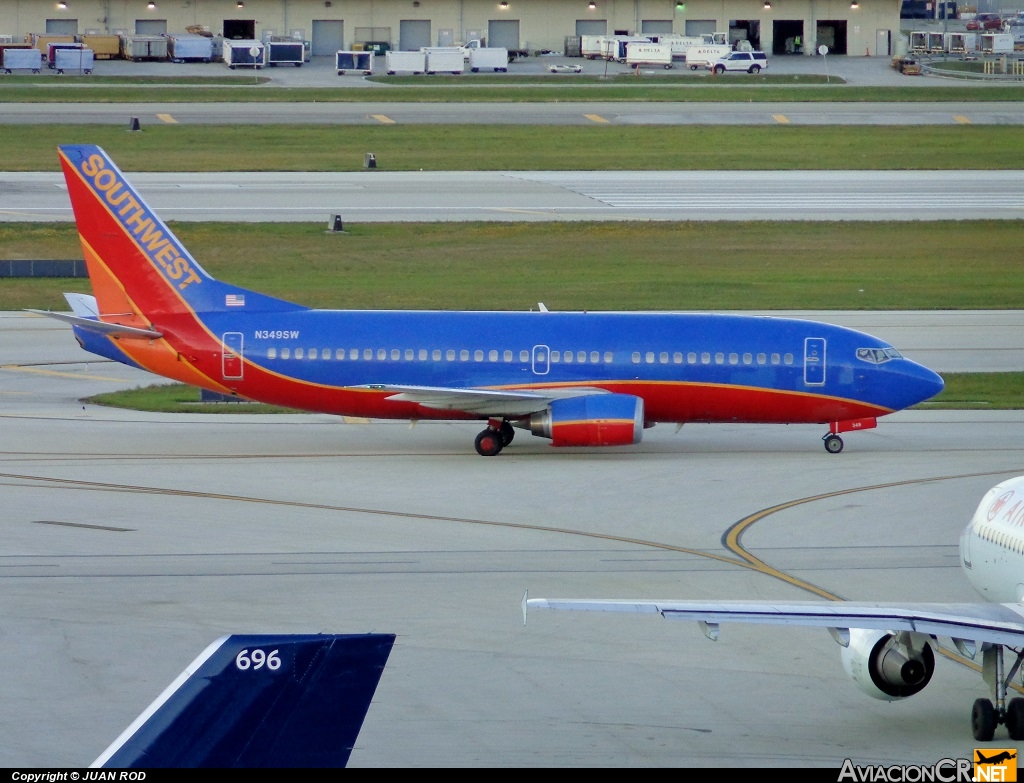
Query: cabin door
{"points": [[231, 358], [814, 361]]}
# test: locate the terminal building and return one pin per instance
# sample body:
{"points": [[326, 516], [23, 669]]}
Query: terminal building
{"points": [[779, 27]]}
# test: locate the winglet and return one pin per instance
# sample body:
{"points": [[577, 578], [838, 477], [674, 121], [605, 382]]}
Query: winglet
{"points": [[260, 701], [527, 593]]}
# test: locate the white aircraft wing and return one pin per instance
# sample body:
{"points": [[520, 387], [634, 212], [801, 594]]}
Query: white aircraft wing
{"points": [[489, 402], [982, 622]]}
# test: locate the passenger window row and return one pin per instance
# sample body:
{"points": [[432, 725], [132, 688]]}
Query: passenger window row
{"points": [[650, 357], [508, 356]]}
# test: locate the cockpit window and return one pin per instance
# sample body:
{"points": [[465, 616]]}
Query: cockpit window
{"points": [[878, 355]]}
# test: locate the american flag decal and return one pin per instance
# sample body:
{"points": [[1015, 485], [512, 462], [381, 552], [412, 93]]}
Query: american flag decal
{"points": [[234, 300]]}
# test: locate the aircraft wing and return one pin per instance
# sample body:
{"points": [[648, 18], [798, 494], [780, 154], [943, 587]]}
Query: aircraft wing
{"points": [[489, 402], [982, 622]]}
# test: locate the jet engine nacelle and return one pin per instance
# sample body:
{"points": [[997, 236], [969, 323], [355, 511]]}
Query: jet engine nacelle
{"points": [[593, 420], [889, 666]]}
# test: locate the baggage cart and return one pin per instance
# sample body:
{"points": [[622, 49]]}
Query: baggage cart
{"points": [[53, 48], [407, 62], [704, 55], [638, 53], [354, 61], [189, 48], [22, 59], [74, 60], [240, 53], [488, 58], [285, 52], [446, 58]]}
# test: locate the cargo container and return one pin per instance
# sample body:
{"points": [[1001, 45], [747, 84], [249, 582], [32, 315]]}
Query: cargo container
{"points": [[448, 59], [408, 62], [961, 43], [996, 43], [649, 54], [615, 46], [680, 43], [354, 61], [104, 47], [187, 47], [240, 53], [592, 46], [74, 60], [290, 52], [143, 47], [22, 58], [490, 58]]}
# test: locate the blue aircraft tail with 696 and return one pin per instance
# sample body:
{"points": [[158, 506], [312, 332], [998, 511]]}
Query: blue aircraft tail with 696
{"points": [[260, 701]]}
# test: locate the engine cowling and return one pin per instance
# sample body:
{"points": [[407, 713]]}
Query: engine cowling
{"points": [[889, 666], [593, 420]]}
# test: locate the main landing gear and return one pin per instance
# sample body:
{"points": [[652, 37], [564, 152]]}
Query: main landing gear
{"points": [[833, 443], [984, 715], [498, 435]]}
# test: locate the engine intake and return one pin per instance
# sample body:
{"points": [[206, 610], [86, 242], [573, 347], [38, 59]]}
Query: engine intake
{"points": [[889, 666]]}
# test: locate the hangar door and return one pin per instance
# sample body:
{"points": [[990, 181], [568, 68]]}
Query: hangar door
{"points": [[503, 33], [328, 37], [591, 27], [237, 29], [701, 26], [832, 33], [656, 27], [150, 26], [413, 34], [62, 26], [788, 36]]}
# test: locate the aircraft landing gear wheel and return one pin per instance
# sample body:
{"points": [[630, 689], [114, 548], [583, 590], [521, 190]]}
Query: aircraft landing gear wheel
{"points": [[488, 443], [507, 433], [833, 443], [983, 720], [1015, 719]]}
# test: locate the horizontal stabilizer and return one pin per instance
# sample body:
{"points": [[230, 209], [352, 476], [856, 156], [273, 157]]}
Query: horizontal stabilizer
{"points": [[260, 701], [101, 327]]}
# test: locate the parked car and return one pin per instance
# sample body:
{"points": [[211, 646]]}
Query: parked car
{"points": [[985, 22], [751, 62]]}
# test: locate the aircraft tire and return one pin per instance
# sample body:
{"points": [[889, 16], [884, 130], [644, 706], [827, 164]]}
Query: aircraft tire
{"points": [[833, 444], [488, 443], [508, 432], [1015, 719], [983, 720]]}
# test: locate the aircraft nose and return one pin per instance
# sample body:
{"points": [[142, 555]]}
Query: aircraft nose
{"points": [[923, 383]]}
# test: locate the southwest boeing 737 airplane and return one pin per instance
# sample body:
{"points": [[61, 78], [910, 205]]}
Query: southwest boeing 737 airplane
{"points": [[578, 378], [888, 649], [260, 701]]}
